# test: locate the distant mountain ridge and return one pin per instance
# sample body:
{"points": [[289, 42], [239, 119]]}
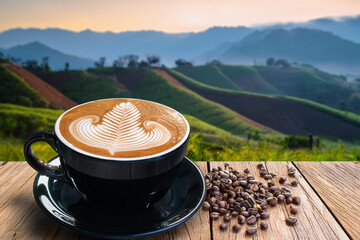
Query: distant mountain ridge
{"points": [[317, 47], [198, 47], [57, 59]]}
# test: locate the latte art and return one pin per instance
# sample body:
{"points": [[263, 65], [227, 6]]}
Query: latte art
{"points": [[120, 130]]}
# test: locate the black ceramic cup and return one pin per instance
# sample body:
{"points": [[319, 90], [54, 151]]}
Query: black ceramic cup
{"points": [[114, 183]]}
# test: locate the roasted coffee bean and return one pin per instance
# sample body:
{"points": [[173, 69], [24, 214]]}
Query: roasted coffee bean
{"points": [[246, 170], [237, 208], [291, 221], [234, 213], [289, 200], [291, 171], [260, 165], [245, 213], [215, 188], [224, 226], [224, 175], [212, 201], [251, 220], [227, 217], [243, 183], [262, 173], [231, 201], [296, 200], [264, 206], [285, 189], [280, 198], [282, 180], [251, 231], [277, 193], [293, 209], [264, 215], [252, 181], [222, 211], [215, 215], [252, 211], [215, 193], [241, 219], [206, 206], [221, 204], [263, 226], [286, 194], [226, 165], [270, 184], [267, 177], [215, 208], [209, 185], [294, 183], [272, 201], [236, 228], [273, 188]]}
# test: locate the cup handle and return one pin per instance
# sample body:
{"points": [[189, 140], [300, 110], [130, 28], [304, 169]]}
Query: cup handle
{"points": [[40, 166]]}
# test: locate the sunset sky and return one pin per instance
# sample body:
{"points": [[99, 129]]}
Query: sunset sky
{"points": [[164, 15]]}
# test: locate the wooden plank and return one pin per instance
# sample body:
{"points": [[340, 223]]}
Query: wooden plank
{"points": [[21, 218], [314, 219], [338, 185]]}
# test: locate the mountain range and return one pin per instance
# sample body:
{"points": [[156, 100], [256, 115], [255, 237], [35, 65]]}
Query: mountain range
{"points": [[336, 46]]}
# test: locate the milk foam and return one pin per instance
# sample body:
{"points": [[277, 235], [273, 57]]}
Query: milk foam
{"points": [[119, 130]]}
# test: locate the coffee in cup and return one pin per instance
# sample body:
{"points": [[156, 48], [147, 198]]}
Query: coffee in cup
{"points": [[116, 151]]}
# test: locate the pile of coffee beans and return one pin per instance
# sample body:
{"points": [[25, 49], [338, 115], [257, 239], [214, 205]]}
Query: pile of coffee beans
{"points": [[234, 194]]}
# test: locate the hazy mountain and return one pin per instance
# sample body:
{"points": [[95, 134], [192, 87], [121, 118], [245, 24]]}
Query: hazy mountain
{"points": [[57, 59], [345, 27], [320, 48], [93, 45]]}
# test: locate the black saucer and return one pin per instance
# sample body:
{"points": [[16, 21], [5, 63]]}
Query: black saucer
{"points": [[62, 203]]}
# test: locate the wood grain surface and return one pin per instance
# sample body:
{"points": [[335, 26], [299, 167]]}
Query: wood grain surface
{"points": [[329, 193], [338, 185]]}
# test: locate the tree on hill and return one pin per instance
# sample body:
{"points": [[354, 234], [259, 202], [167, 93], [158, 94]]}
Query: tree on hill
{"points": [[45, 64], [183, 63], [32, 66], [132, 60], [153, 60], [100, 63], [67, 66], [120, 62], [270, 61], [282, 62], [214, 62], [144, 64], [1, 55]]}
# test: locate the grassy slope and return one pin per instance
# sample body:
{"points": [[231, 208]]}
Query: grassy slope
{"points": [[80, 86], [155, 88], [247, 78], [210, 75], [351, 117], [308, 84], [14, 89], [17, 122]]}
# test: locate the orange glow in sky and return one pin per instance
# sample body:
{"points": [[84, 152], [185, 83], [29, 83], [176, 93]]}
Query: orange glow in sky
{"points": [[164, 15]]}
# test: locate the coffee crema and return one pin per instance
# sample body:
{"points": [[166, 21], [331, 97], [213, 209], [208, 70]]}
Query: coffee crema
{"points": [[122, 128]]}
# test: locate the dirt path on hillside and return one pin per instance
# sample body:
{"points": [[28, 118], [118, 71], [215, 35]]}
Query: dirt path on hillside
{"points": [[169, 78], [49, 93], [176, 82]]}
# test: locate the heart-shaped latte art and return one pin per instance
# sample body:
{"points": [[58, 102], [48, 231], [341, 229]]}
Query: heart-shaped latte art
{"points": [[120, 130]]}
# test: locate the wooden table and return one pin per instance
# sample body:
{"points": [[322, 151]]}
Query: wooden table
{"points": [[329, 191]]}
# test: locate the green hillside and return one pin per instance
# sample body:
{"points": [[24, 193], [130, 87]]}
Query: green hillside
{"points": [[247, 78], [80, 86], [286, 114], [151, 86], [14, 89], [17, 122], [210, 75], [301, 82], [311, 84]]}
